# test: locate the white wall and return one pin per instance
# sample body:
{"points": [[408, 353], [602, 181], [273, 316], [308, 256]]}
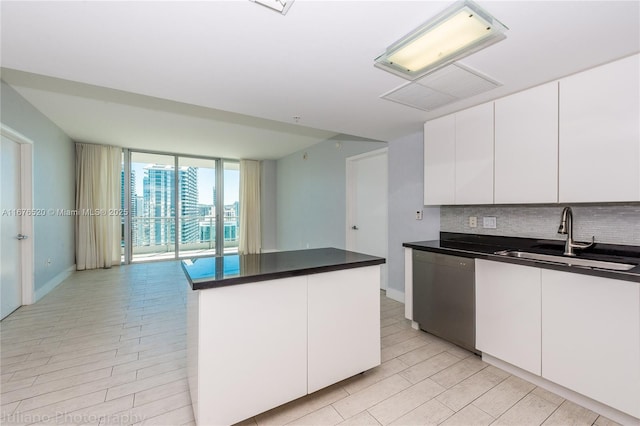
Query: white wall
{"points": [[53, 181], [406, 191], [311, 194], [311, 199]]}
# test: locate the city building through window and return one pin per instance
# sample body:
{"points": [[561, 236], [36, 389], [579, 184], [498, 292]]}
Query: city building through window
{"points": [[178, 206]]}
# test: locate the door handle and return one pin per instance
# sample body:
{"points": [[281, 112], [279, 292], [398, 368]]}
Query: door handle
{"points": [[22, 237], [354, 227]]}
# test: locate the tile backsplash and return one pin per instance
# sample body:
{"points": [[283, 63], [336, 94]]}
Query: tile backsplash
{"points": [[609, 223]]}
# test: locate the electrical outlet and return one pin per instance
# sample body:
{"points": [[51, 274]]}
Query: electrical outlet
{"points": [[489, 222], [419, 215], [473, 222]]}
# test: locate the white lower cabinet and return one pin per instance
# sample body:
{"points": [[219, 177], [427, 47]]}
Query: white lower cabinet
{"points": [[247, 349], [508, 313], [579, 331], [343, 325], [252, 347], [591, 337]]}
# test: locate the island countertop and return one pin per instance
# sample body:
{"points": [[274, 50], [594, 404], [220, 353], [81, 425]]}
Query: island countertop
{"points": [[219, 271]]}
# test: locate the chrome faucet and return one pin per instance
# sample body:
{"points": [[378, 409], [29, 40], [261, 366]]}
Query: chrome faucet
{"points": [[566, 228]]}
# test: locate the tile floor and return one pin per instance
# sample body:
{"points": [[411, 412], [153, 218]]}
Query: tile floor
{"points": [[107, 347]]}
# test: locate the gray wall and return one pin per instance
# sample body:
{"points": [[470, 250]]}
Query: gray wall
{"points": [[54, 183], [268, 207], [406, 191], [311, 194], [609, 223]]}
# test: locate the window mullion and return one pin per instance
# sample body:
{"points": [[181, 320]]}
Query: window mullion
{"points": [[176, 203], [219, 207]]}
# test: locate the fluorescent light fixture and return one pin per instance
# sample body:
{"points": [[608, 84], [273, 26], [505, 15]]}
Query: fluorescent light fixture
{"points": [[281, 6], [456, 32]]}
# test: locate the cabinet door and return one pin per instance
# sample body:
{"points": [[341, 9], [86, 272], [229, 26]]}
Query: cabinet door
{"points": [[508, 313], [439, 161], [526, 145], [600, 134], [591, 337], [343, 325], [251, 348], [474, 155]]}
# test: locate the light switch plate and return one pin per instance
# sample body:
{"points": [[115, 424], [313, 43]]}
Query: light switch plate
{"points": [[489, 222], [419, 215]]}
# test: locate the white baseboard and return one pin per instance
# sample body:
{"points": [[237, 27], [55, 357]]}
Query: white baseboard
{"points": [[54, 282], [396, 295], [593, 405]]}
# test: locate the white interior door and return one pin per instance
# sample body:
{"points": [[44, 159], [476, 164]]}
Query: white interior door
{"points": [[10, 250], [367, 206]]}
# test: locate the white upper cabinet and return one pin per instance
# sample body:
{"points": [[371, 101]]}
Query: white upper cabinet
{"points": [[526, 146], [439, 161], [474, 155], [576, 140], [600, 134], [458, 157]]}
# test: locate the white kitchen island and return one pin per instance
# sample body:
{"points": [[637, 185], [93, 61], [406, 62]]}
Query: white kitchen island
{"points": [[265, 329]]}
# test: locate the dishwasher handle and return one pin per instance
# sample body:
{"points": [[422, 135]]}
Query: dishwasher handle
{"points": [[443, 259]]}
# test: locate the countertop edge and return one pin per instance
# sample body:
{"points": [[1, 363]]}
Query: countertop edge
{"points": [[280, 274], [633, 276]]}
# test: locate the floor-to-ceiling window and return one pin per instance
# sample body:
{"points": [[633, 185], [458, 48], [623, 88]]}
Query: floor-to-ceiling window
{"points": [[197, 194], [231, 194], [152, 209], [179, 206]]}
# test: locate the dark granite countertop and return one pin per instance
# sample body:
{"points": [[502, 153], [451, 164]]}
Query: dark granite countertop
{"points": [[485, 247], [220, 271]]}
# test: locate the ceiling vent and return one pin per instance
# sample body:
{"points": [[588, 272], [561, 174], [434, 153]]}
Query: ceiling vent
{"points": [[445, 86]]}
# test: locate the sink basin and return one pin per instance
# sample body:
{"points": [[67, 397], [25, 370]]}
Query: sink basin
{"points": [[569, 261]]}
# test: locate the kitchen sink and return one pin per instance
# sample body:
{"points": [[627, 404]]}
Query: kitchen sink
{"points": [[569, 261]]}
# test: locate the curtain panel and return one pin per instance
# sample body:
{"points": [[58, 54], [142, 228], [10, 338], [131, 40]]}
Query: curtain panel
{"points": [[98, 204], [250, 233]]}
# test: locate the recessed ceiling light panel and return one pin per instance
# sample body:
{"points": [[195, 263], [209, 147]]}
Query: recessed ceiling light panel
{"points": [[443, 87], [458, 31], [281, 6]]}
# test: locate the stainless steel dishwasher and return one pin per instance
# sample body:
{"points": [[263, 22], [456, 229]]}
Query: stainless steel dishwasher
{"points": [[444, 297]]}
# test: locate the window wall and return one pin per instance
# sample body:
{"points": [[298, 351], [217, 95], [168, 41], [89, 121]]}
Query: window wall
{"points": [[197, 223], [179, 206], [231, 197]]}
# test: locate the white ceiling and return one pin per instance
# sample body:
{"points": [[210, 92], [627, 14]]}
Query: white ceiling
{"points": [[227, 77], [99, 115]]}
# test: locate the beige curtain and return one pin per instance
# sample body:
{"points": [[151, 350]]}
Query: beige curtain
{"points": [[250, 235], [98, 193]]}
